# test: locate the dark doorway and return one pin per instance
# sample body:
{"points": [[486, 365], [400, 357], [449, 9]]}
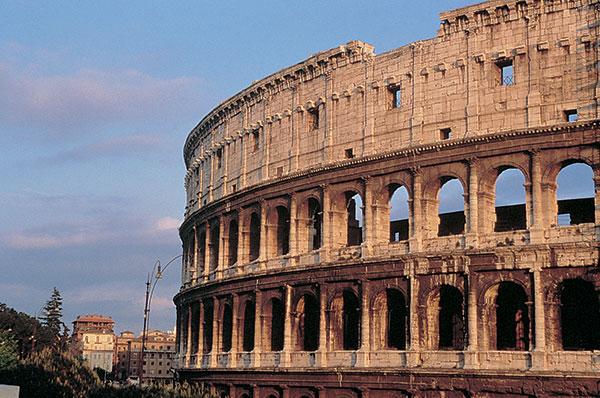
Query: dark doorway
{"points": [[579, 315], [451, 318], [396, 314], [512, 318]]}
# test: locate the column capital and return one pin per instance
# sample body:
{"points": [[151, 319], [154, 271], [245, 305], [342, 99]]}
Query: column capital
{"points": [[416, 171], [534, 152], [473, 162]]}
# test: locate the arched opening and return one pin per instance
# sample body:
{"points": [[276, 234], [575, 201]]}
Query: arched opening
{"points": [[233, 242], [248, 332], [307, 312], [277, 324], [314, 224], [207, 326], [510, 201], [201, 251], [512, 318], [575, 194], [354, 207], [195, 326], [451, 324], [451, 208], [254, 236], [398, 213], [214, 245], [396, 316], [579, 315], [283, 230], [185, 319], [351, 321], [227, 328]]}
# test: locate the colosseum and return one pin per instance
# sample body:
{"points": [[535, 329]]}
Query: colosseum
{"points": [[401, 224]]}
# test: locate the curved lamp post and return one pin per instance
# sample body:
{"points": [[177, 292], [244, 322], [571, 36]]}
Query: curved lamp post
{"points": [[157, 272]]}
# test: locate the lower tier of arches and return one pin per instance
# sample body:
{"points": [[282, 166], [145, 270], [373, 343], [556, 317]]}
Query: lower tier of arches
{"points": [[374, 383]]}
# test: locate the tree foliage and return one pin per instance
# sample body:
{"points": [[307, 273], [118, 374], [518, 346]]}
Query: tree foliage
{"points": [[9, 357], [52, 317], [28, 332]]}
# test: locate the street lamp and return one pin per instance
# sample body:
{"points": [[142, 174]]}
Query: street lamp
{"points": [[151, 281]]}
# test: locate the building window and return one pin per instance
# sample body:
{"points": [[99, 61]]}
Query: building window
{"points": [[256, 140], [313, 119], [219, 158], [571, 115], [507, 72], [395, 96], [446, 134], [349, 153]]}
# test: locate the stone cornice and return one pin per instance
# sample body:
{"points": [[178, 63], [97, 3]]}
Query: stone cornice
{"points": [[316, 65]]}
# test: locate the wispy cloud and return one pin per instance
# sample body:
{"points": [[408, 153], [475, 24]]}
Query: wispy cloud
{"points": [[131, 145], [66, 104]]}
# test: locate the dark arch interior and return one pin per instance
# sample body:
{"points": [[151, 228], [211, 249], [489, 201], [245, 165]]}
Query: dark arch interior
{"points": [[254, 236], [283, 230], [249, 317], [351, 321], [214, 246], [315, 224], [227, 328], [580, 315], [208, 326], [233, 242], [195, 326], [310, 327], [396, 314], [512, 318], [277, 324], [451, 324]]}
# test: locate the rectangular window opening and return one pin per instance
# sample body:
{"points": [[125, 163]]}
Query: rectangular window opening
{"points": [[256, 138], [349, 153], [507, 72], [219, 158], [313, 121], [396, 96], [279, 171], [446, 134], [571, 115]]}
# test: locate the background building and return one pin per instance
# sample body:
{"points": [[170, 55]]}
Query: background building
{"points": [[347, 232], [158, 357], [94, 339]]}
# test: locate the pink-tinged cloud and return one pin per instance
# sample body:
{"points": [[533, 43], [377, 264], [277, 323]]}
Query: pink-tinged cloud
{"points": [[90, 98], [167, 224], [83, 232]]}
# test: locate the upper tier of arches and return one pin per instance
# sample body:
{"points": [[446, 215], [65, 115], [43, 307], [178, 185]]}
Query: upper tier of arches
{"points": [[510, 199]]}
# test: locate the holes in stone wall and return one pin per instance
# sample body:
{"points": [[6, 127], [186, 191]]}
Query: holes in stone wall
{"points": [[195, 307], [506, 72], [313, 119], [451, 207], [579, 315], [354, 207], [395, 96], [283, 230], [314, 224], [232, 242], [214, 245], [248, 326], [510, 201], [277, 324], [351, 321], [207, 326], [451, 321], [398, 213], [571, 115], [307, 312], [575, 194], [397, 314], [226, 328], [254, 236], [512, 318]]}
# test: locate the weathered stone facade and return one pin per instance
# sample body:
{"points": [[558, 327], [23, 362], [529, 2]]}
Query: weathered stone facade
{"points": [[298, 278]]}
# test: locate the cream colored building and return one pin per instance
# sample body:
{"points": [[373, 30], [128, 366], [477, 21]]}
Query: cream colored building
{"points": [[94, 340]]}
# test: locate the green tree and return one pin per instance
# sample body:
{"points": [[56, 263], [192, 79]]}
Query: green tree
{"points": [[52, 317], [9, 357], [29, 333]]}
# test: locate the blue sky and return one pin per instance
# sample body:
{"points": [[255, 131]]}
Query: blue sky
{"points": [[96, 99]]}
